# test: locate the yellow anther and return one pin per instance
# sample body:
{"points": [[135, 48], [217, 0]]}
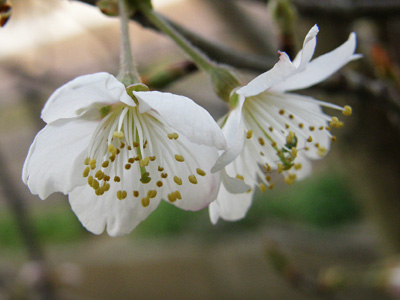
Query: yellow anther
{"points": [[309, 139], [306, 148], [262, 153], [293, 176], [172, 197], [131, 160], [112, 158], [106, 187], [287, 126], [268, 178], [129, 148], [271, 128], [322, 151], [118, 134], [106, 177], [127, 166], [99, 175], [136, 194], [178, 195], [200, 172], [280, 168], [152, 158], [312, 128], [301, 125], [347, 111], [164, 175], [112, 149], [90, 180], [263, 188], [105, 164], [333, 138], [290, 137], [271, 186], [173, 135], [294, 152], [152, 194], [122, 145], [261, 141], [289, 180], [135, 144], [95, 184], [267, 167], [249, 134], [87, 160], [178, 180], [192, 179], [297, 166], [117, 179], [159, 183], [92, 164], [160, 169], [145, 201], [179, 158], [273, 144], [118, 151], [321, 128], [291, 117], [86, 172], [238, 176], [121, 195], [281, 112], [99, 192]]}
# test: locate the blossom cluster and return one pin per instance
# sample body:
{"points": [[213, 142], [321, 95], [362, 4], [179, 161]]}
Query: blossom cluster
{"points": [[118, 151]]}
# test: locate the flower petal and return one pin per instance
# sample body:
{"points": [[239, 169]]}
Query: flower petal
{"points": [[74, 98], [282, 69], [96, 213], [230, 207], [184, 115], [233, 185], [307, 52], [55, 159], [233, 130], [320, 68]]}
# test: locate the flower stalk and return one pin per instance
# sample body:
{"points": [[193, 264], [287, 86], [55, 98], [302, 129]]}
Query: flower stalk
{"points": [[127, 73], [222, 79]]}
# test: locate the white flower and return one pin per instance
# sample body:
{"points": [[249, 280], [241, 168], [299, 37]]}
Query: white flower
{"points": [[118, 155], [271, 129]]}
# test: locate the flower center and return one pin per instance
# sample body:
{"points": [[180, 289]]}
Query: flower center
{"points": [[138, 156], [279, 127]]}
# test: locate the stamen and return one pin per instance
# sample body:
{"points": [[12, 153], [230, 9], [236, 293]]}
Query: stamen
{"points": [[136, 194], [238, 176], [87, 160], [192, 179], [178, 195], [159, 183], [261, 141], [179, 158], [86, 172], [263, 187], [145, 201], [200, 172], [178, 180], [105, 164], [249, 134], [347, 111], [152, 194], [121, 195], [172, 197]]}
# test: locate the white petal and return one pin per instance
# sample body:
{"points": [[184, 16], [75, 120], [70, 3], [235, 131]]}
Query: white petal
{"points": [[279, 72], [233, 130], [96, 213], [233, 185], [198, 196], [320, 68], [74, 98], [308, 49], [230, 207], [55, 159], [184, 115]]}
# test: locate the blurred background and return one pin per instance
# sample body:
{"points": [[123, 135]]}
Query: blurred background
{"points": [[335, 235]]}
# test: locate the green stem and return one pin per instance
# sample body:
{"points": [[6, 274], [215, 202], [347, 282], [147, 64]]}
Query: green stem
{"points": [[198, 57], [127, 73]]}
